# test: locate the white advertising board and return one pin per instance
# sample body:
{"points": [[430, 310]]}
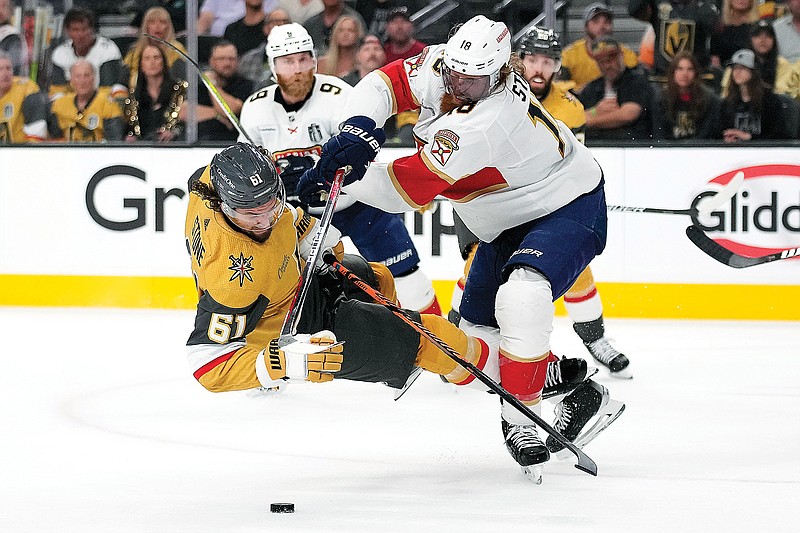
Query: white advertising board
{"points": [[98, 211]]}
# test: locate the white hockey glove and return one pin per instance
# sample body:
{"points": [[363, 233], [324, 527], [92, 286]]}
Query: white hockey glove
{"points": [[309, 358]]}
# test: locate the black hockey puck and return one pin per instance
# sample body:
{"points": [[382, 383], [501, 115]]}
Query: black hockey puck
{"points": [[281, 507]]}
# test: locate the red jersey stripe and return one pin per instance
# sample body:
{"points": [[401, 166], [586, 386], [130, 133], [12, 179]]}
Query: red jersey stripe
{"points": [[482, 182], [583, 298], [200, 372], [415, 181], [480, 364], [394, 74]]}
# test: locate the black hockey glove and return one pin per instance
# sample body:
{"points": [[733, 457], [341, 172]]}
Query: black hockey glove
{"points": [[291, 169], [357, 144]]}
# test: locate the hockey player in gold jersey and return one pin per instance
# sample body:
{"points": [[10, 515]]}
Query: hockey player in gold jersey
{"points": [[247, 248], [22, 106], [88, 114]]}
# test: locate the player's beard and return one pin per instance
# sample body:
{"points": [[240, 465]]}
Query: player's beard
{"points": [[449, 102], [542, 91], [297, 85]]}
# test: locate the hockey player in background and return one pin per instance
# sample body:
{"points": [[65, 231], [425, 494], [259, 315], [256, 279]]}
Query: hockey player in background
{"points": [[292, 119], [247, 246], [540, 53], [518, 178]]}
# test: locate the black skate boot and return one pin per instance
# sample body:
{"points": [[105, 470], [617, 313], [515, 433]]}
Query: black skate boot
{"points": [[524, 444], [563, 376], [527, 449], [574, 411], [592, 334], [609, 357], [589, 401]]}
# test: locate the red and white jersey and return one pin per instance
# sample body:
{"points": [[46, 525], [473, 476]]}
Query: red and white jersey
{"points": [[502, 161], [300, 132]]}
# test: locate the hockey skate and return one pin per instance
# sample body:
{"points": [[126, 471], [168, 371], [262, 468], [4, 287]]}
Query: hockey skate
{"points": [[527, 449], [611, 358], [589, 400], [410, 381], [563, 376]]}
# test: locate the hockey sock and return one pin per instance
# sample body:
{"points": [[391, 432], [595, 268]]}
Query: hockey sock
{"points": [[431, 358]]}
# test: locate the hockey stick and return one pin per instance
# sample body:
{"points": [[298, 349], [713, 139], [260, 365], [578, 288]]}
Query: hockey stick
{"points": [[289, 328], [211, 89], [704, 207], [716, 251], [585, 463]]}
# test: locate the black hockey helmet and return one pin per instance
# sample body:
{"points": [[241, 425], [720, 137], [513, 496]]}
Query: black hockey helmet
{"points": [[540, 41], [245, 177]]}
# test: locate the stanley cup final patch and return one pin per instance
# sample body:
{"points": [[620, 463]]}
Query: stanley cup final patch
{"points": [[445, 142]]}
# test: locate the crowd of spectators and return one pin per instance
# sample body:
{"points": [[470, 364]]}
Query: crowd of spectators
{"points": [[706, 69], [700, 74]]}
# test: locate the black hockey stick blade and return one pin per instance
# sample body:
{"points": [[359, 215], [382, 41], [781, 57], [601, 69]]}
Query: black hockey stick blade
{"points": [[704, 207], [585, 463], [716, 251]]}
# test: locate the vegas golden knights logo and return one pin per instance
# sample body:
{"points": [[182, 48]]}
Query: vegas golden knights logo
{"points": [[677, 35]]}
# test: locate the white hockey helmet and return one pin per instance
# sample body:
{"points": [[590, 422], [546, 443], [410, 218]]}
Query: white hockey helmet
{"points": [[288, 39], [480, 47]]}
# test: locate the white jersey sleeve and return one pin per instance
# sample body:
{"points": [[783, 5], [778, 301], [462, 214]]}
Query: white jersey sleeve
{"points": [[501, 161]]}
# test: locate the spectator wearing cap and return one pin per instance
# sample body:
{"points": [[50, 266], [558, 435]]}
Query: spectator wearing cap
{"points": [[320, 26], [750, 111], [376, 12], [370, 56], [577, 63], [400, 42], [733, 33], [778, 74], [678, 25], [254, 64], [618, 103], [787, 32]]}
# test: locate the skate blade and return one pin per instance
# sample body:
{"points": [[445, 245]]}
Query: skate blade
{"points": [[534, 473], [266, 392], [410, 381], [625, 373], [605, 417]]}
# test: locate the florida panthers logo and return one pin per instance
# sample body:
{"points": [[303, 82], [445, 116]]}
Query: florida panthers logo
{"points": [[445, 142]]}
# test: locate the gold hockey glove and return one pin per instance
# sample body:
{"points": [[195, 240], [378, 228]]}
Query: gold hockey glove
{"points": [[310, 358]]}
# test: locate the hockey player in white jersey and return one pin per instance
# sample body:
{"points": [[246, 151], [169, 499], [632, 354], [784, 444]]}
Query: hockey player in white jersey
{"points": [[518, 178], [293, 119]]}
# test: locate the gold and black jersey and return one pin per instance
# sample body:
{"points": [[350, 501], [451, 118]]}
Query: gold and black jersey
{"points": [[89, 124], [22, 113], [245, 289]]}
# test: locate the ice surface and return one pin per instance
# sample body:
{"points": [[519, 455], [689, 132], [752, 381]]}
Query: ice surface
{"points": [[105, 430]]}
